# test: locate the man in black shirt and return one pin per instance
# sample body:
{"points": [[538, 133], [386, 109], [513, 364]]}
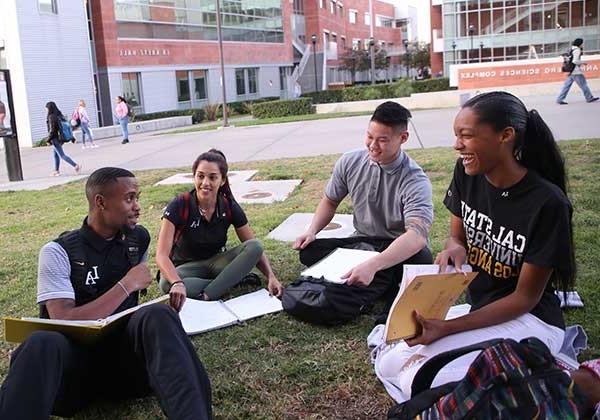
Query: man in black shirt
{"points": [[92, 273]]}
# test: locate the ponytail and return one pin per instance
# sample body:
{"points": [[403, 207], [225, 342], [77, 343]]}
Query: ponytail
{"points": [[537, 150]]}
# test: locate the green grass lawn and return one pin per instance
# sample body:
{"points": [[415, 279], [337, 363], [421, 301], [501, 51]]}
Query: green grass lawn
{"points": [[275, 367]]}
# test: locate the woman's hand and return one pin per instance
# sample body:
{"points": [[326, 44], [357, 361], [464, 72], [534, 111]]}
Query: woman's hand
{"points": [[177, 296], [275, 288], [431, 330]]}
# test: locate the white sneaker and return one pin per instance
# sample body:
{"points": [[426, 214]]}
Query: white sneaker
{"points": [[94, 146]]}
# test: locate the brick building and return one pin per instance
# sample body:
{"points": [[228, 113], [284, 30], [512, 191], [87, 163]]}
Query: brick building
{"points": [[476, 31]]}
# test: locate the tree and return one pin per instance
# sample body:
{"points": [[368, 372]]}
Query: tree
{"points": [[355, 60], [420, 56]]}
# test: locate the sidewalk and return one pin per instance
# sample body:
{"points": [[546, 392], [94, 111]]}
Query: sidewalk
{"points": [[296, 139]]}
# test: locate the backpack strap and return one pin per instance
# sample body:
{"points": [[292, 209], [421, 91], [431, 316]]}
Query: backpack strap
{"points": [[228, 215], [184, 216], [424, 377]]}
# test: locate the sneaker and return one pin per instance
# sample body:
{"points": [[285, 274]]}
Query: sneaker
{"points": [[94, 146], [77, 169], [562, 103], [84, 146], [125, 141], [593, 100], [55, 173]]}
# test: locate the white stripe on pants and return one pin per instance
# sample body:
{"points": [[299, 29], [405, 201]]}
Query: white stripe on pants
{"points": [[395, 368]]}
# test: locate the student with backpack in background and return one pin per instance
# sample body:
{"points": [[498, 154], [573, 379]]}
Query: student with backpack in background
{"points": [[575, 74], [122, 112], [191, 252], [57, 136], [84, 122], [511, 221]]}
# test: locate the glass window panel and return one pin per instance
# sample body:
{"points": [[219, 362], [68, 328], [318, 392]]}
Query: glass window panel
{"points": [[183, 86], [550, 17], [486, 21], [199, 77], [240, 82], [473, 4], [577, 13], [562, 15], [252, 80], [497, 21], [510, 19], [130, 87], [537, 19], [591, 13], [524, 15], [461, 22]]}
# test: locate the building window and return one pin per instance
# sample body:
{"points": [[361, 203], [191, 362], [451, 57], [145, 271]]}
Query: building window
{"points": [[352, 15], [367, 19], [183, 88], [246, 82], [322, 4], [343, 43], [284, 72], [130, 86], [355, 43], [341, 10], [199, 83], [188, 82], [48, 6]]}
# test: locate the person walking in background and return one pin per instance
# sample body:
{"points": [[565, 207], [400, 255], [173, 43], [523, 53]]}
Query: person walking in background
{"points": [[84, 120], [2, 114], [576, 76], [56, 138], [122, 111]]}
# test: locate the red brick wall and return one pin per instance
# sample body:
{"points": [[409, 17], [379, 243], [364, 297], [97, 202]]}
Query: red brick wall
{"points": [[111, 51], [437, 59]]}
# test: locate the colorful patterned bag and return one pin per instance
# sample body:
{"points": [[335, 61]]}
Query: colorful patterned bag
{"points": [[508, 380]]}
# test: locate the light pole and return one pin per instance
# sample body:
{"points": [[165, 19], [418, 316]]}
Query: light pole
{"points": [[313, 38], [471, 32], [480, 50], [453, 52], [372, 51], [405, 42], [220, 36]]}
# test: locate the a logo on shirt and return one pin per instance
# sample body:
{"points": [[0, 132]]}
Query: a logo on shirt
{"points": [[497, 250], [504, 194], [92, 276], [195, 224]]}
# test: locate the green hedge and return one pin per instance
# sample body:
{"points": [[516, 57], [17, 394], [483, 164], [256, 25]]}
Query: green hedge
{"points": [[196, 113], [399, 89], [300, 106], [431, 85]]}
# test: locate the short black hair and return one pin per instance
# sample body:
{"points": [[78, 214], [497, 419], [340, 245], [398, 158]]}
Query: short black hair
{"points": [[392, 114], [578, 42], [101, 178]]}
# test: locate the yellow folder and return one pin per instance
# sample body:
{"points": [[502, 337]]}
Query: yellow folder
{"points": [[431, 295], [16, 330]]}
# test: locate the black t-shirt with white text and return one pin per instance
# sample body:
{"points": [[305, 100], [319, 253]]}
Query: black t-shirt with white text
{"points": [[202, 239], [526, 223]]}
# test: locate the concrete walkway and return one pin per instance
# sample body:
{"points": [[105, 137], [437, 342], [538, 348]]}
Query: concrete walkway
{"points": [[309, 138]]}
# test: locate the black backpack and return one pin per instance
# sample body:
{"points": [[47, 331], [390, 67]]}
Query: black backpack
{"points": [[508, 380], [568, 66], [321, 302]]}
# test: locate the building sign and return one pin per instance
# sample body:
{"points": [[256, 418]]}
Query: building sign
{"points": [[145, 52], [510, 73]]}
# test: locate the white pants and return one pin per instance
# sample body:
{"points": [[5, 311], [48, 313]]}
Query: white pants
{"points": [[396, 365]]}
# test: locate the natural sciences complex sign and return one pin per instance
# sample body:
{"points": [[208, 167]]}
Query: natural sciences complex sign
{"points": [[510, 73]]}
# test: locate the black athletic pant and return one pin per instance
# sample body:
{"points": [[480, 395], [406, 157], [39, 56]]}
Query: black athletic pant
{"points": [[49, 373], [385, 283]]}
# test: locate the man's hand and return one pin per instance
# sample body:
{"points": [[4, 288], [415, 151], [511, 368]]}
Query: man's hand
{"points": [[454, 253], [137, 278], [303, 240], [274, 286], [177, 296], [361, 275], [431, 330]]}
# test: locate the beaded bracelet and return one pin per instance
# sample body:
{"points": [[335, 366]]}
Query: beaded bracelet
{"points": [[124, 288]]}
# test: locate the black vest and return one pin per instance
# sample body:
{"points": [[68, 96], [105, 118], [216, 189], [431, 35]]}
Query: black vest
{"points": [[97, 264]]}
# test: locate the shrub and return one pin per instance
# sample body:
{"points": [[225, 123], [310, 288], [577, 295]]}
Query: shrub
{"points": [[210, 111], [325, 96], [372, 93], [401, 89], [196, 113], [431, 85], [300, 106]]}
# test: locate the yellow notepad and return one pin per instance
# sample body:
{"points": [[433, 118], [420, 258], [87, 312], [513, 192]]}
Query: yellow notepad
{"points": [[16, 330], [431, 295]]}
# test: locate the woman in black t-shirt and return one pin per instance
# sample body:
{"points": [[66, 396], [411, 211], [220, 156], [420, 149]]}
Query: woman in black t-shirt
{"points": [[511, 221], [197, 265]]}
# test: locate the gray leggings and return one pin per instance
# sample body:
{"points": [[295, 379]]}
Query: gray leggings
{"points": [[219, 273]]}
